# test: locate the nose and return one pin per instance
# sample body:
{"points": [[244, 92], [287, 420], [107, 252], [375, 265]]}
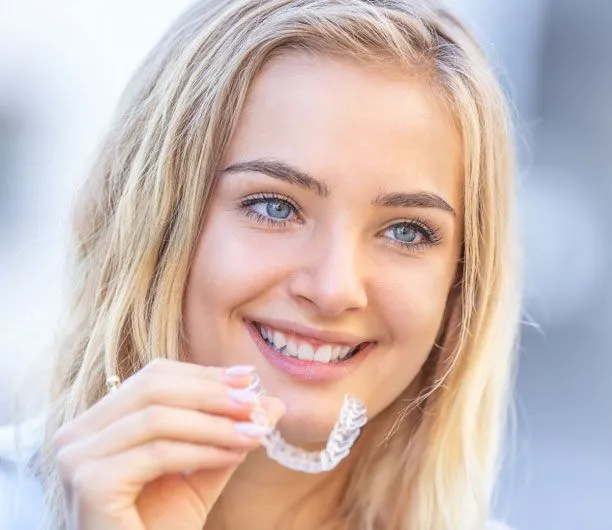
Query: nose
{"points": [[330, 278]]}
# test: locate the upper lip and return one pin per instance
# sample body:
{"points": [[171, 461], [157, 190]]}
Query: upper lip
{"points": [[312, 334]]}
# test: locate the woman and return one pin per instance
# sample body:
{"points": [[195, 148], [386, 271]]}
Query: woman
{"points": [[318, 192]]}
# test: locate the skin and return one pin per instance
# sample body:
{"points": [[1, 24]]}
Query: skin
{"points": [[337, 263], [332, 268]]}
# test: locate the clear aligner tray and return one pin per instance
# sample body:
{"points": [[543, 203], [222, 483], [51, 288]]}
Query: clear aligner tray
{"points": [[351, 419]]}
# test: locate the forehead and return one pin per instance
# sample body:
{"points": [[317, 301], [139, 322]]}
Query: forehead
{"points": [[345, 121]]}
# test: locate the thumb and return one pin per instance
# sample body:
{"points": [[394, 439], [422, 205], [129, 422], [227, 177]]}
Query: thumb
{"points": [[210, 483], [274, 409]]}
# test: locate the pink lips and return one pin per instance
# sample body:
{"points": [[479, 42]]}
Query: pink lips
{"points": [[309, 371]]}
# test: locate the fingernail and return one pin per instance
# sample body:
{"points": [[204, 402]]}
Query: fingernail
{"points": [[250, 429], [260, 417], [240, 370], [244, 397]]}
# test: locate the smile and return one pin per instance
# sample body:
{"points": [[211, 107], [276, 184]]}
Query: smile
{"points": [[304, 350]]}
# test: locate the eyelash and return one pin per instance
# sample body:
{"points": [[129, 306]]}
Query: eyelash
{"points": [[431, 234], [247, 203]]}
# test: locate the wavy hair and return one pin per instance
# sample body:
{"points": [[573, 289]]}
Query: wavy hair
{"points": [[143, 205]]}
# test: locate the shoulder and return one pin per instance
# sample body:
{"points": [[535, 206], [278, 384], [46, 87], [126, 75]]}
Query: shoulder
{"points": [[21, 495]]}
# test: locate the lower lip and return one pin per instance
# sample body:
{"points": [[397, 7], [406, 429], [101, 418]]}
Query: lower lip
{"points": [[309, 371]]}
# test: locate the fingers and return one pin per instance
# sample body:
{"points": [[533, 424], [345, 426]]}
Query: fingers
{"points": [[127, 471], [209, 484], [188, 386], [274, 408], [171, 421], [234, 374], [159, 422]]}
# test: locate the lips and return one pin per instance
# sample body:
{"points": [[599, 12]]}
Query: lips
{"points": [[304, 349], [314, 361]]}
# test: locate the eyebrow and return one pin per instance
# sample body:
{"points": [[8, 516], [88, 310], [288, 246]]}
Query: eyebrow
{"points": [[282, 171], [419, 199]]}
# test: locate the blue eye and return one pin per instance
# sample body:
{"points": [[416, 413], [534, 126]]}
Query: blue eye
{"points": [[278, 209], [412, 234], [270, 209], [405, 233]]}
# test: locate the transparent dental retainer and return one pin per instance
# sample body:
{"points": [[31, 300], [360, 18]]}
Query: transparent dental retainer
{"points": [[351, 419]]}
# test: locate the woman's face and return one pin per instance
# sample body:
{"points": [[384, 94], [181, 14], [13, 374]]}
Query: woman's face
{"points": [[332, 239]]}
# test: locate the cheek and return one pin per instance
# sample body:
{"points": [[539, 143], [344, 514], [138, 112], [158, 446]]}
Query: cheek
{"points": [[413, 306], [415, 297], [231, 266]]}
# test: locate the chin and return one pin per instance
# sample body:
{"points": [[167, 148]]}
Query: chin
{"points": [[308, 428]]}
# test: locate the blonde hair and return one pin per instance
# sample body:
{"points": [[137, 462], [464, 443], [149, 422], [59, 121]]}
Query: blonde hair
{"points": [[142, 208]]}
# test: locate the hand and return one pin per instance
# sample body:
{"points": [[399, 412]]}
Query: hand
{"points": [[157, 453]]}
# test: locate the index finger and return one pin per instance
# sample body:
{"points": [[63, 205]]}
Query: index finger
{"points": [[170, 382]]}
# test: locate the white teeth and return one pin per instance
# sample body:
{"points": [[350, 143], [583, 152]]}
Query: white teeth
{"points": [[291, 349], [323, 354], [279, 340], [344, 351], [305, 352]]}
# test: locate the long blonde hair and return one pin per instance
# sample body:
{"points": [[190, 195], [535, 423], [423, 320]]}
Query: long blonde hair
{"points": [[143, 205]]}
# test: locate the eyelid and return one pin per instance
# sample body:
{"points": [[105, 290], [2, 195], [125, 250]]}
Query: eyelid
{"points": [[431, 233], [269, 196], [247, 202]]}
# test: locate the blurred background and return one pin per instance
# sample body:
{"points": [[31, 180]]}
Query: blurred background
{"points": [[63, 65]]}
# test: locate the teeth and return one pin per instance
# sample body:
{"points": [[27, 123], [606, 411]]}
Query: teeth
{"points": [[279, 340], [305, 352], [291, 349], [323, 354], [344, 351]]}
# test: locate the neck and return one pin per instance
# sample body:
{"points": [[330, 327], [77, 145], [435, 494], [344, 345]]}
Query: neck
{"points": [[263, 495]]}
